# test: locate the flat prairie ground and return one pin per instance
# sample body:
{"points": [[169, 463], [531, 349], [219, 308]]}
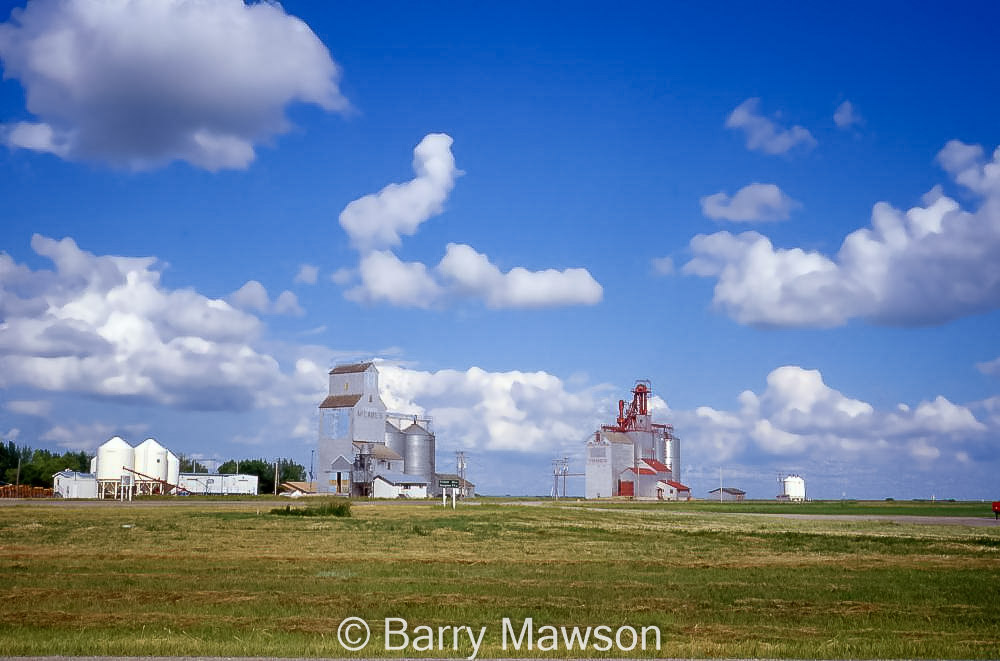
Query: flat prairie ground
{"points": [[232, 579]]}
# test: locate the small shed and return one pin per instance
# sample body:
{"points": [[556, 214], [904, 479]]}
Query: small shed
{"points": [[672, 490], [71, 484], [731, 494]]}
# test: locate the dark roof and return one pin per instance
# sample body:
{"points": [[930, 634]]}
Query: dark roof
{"points": [[350, 369], [732, 491], [340, 401]]}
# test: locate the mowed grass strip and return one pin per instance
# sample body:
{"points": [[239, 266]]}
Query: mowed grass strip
{"points": [[217, 580]]}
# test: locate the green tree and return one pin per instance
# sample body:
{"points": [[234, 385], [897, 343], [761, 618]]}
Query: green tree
{"points": [[38, 466], [288, 470], [189, 465]]}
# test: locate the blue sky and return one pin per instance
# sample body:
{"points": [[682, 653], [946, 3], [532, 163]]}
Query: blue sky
{"points": [[786, 217]]}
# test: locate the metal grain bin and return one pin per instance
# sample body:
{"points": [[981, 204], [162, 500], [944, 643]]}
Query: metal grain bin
{"points": [[418, 459], [395, 439]]}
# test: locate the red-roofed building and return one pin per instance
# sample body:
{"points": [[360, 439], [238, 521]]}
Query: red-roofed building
{"points": [[672, 490], [653, 474]]}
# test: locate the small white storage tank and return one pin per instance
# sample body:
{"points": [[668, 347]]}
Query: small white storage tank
{"points": [[112, 456], [795, 488], [151, 460]]}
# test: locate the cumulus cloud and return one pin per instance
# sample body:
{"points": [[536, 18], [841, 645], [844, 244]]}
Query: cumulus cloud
{"points": [[846, 116], [799, 416], [763, 134], [750, 203], [307, 275], [931, 264], [253, 296], [139, 84], [376, 221], [385, 278], [530, 412], [471, 273], [104, 326], [463, 272]]}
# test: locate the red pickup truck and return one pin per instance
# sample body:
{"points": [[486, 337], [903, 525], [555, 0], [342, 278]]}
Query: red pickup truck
{"points": [[996, 509]]}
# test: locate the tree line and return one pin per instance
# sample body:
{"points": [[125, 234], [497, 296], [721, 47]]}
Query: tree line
{"points": [[38, 466]]}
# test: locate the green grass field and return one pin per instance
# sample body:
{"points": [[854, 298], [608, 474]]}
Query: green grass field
{"points": [[216, 579]]}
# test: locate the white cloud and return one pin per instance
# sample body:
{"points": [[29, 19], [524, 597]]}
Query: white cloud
{"points": [[931, 264], [752, 202], [991, 367], [78, 436], [104, 326], [308, 274], [798, 415], [471, 273], [384, 278], [763, 134], [343, 276], [846, 116], [663, 265], [530, 412], [253, 296], [139, 84], [376, 221], [463, 272], [38, 408]]}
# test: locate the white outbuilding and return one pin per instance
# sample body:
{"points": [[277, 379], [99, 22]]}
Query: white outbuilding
{"points": [[389, 484], [71, 484]]}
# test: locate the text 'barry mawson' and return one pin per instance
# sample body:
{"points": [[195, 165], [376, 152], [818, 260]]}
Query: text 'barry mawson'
{"points": [[526, 638]]}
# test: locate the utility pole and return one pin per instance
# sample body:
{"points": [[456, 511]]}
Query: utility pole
{"points": [[460, 469], [275, 477], [312, 456]]}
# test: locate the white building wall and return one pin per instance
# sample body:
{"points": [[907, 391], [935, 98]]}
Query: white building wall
{"points": [[383, 489], [600, 480], [71, 484], [240, 484]]}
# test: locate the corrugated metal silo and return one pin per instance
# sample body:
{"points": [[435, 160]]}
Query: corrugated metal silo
{"points": [[151, 460], [674, 455], [112, 456], [395, 439], [418, 460]]}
